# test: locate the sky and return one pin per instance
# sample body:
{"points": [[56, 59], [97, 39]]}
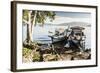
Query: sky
{"points": [[74, 14], [66, 17]]}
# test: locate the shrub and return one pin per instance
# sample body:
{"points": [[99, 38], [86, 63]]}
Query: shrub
{"points": [[26, 52], [36, 56]]}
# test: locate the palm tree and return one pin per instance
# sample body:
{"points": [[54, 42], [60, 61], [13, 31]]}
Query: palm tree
{"points": [[31, 18]]}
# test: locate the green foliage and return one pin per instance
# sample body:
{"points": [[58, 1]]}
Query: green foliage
{"points": [[36, 57], [25, 15], [26, 52], [41, 16]]}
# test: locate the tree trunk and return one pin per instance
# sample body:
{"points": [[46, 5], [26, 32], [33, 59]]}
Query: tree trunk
{"points": [[30, 27], [28, 36]]}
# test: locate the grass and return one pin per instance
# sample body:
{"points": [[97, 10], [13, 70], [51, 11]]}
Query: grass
{"points": [[32, 55], [36, 57], [26, 52]]}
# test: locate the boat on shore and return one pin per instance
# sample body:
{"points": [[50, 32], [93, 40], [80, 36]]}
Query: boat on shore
{"points": [[75, 31], [72, 38]]}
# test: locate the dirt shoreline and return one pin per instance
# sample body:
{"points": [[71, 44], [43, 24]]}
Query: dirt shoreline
{"points": [[37, 53]]}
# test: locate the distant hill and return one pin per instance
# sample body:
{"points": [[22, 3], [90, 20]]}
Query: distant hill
{"points": [[83, 24], [76, 24]]}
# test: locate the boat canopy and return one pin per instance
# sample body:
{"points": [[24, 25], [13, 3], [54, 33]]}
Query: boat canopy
{"points": [[77, 28]]}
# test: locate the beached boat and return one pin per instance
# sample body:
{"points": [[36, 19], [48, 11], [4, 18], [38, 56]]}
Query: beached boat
{"points": [[75, 31], [73, 38], [58, 36]]}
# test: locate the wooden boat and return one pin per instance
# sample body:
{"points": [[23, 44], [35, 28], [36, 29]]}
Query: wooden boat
{"points": [[55, 38], [75, 35]]}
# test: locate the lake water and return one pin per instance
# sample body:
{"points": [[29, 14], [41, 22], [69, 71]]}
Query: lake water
{"points": [[40, 33]]}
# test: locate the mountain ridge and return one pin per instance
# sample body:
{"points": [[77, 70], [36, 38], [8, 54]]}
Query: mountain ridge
{"points": [[71, 24]]}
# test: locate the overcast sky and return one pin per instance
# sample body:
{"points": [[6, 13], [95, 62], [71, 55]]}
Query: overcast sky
{"points": [[66, 17], [74, 14]]}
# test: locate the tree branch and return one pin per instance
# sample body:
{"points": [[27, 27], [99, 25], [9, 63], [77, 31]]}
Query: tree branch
{"points": [[25, 21]]}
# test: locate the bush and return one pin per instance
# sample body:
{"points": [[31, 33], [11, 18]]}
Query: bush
{"points": [[26, 52], [36, 56]]}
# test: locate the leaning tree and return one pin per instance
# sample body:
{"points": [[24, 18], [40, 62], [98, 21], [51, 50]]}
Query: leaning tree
{"points": [[32, 18]]}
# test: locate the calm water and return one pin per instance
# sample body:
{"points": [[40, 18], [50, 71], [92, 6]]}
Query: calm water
{"points": [[41, 34]]}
